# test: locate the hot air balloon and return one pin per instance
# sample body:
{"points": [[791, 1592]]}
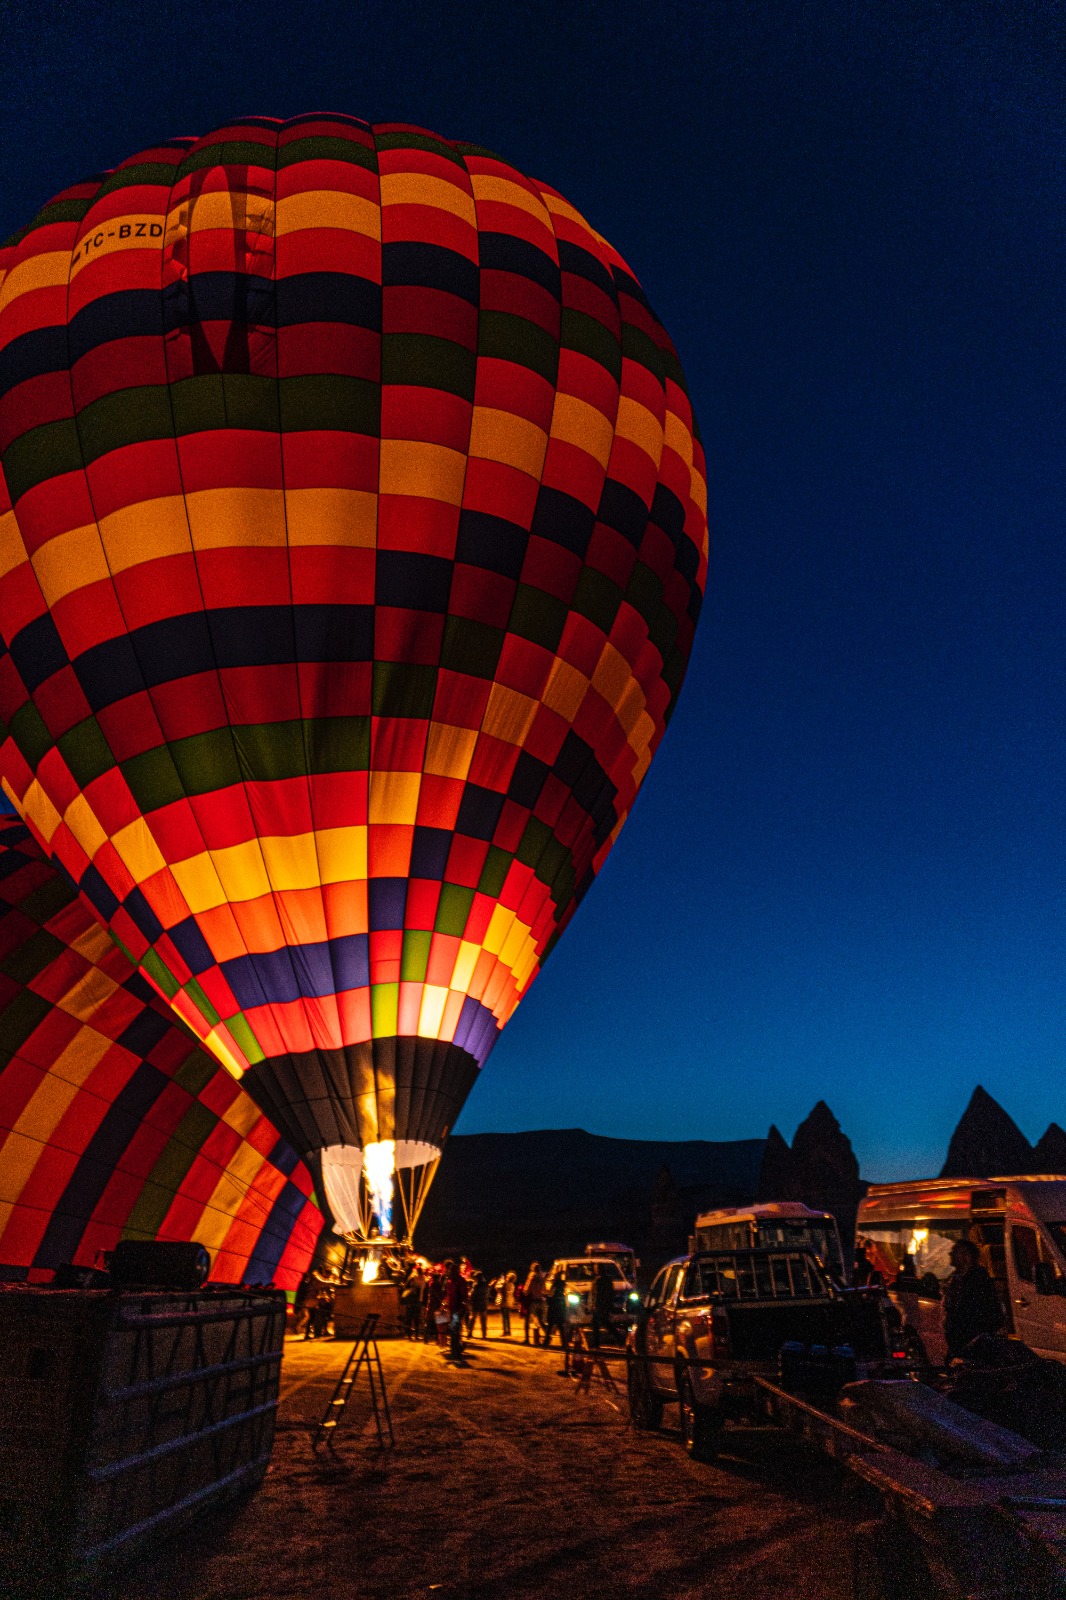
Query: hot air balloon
{"points": [[356, 539], [113, 1122]]}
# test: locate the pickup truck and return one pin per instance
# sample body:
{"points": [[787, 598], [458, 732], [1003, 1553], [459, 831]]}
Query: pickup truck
{"points": [[714, 1321]]}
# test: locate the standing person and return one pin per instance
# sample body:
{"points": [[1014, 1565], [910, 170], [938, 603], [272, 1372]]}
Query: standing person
{"points": [[411, 1299], [971, 1304], [432, 1298], [601, 1303], [323, 1307], [312, 1300], [508, 1288], [301, 1305], [533, 1302], [479, 1304], [456, 1293], [864, 1272], [557, 1308]]}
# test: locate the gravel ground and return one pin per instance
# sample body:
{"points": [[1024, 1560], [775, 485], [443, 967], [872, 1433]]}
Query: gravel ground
{"points": [[507, 1481]]}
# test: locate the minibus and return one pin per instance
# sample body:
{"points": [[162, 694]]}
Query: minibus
{"points": [[1019, 1227], [775, 1225]]}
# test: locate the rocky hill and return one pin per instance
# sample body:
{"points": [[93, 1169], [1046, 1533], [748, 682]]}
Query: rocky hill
{"points": [[508, 1198], [988, 1143]]}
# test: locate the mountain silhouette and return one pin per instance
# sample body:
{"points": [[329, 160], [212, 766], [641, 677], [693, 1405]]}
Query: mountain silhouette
{"points": [[987, 1142], [1049, 1152]]}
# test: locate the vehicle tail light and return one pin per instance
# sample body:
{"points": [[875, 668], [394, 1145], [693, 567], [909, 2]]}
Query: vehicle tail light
{"points": [[719, 1330]]}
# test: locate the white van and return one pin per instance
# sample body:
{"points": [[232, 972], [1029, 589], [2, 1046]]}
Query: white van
{"points": [[1019, 1226]]}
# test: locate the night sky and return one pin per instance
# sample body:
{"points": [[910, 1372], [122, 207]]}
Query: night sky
{"points": [[844, 877]]}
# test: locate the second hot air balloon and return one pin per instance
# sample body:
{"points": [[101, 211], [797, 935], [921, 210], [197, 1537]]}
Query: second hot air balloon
{"points": [[353, 540]]}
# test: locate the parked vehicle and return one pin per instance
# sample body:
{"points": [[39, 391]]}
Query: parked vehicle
{"points": [[1019, 1226], [624, 1254], [714, 1321], [579, 1273], [775, 1225]]}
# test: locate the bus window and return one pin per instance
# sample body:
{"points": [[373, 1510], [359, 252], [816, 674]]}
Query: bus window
{"points": [[725, 1236], [818, 1237]]}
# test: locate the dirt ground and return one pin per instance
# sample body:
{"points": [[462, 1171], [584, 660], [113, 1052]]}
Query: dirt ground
{"points": [[506, 1480]]}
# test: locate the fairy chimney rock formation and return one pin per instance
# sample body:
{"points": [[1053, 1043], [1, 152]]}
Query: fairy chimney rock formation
{"points": [[1049, 1152], [820, 1169], [778, 1177], [987, 1142]]}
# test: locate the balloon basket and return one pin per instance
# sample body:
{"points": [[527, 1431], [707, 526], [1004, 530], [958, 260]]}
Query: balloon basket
{"points": [[354, 1301]]}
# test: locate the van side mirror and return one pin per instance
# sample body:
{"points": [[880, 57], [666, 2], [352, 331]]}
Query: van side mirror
{"points": [[1047, 1281]]}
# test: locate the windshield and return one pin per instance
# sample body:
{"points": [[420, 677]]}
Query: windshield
{"points": [[818, 1237], [914, 1254], [585, 1271], [626, 1264], [1058, 1233]]}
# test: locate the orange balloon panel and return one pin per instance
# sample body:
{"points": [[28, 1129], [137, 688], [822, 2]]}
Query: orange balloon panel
{"points": [[355, 542]]}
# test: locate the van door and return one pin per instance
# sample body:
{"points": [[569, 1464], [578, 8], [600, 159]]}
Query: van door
{"points": [[1037, 1293]]}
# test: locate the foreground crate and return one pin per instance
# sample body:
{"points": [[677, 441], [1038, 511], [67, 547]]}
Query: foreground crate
{"points": [[122, 1414]]}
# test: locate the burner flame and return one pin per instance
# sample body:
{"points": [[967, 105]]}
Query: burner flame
{"points": [[379, 1165]]}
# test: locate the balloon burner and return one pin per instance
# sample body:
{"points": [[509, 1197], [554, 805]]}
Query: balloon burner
{"points": [[379, 1167]]}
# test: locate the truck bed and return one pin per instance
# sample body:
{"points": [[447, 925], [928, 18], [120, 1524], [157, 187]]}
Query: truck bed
{"points": [[758, 1330]]}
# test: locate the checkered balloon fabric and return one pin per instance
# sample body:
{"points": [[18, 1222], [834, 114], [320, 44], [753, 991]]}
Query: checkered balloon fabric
{"points": [[353, 543], [114, 1124]]}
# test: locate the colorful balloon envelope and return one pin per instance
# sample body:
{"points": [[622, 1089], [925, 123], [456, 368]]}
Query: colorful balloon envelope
{"points": [[114, 1124], [356, 540]]}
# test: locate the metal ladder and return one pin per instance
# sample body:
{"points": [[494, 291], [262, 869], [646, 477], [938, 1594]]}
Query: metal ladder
{"points": [[364, 1355]]}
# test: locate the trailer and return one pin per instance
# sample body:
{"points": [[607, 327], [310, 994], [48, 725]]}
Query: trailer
{"points": [[985, 1521]]}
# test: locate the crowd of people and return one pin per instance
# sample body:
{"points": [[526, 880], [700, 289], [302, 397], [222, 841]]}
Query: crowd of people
{"points": [[446, 1301], [313, 1303]]}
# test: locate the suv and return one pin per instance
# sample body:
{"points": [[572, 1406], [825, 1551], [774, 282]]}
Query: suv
{"points": [[714, 1321], [579, 1272]]}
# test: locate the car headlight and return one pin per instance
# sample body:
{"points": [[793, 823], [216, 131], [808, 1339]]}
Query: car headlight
{"points": [[573, 1299], [634, 1296]]}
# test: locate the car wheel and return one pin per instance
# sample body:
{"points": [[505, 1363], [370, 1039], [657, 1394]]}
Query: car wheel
{"points": [[645, 1407], [701, 1427]]}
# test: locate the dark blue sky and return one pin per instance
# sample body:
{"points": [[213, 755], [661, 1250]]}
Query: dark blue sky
{"points": [[845, 874]]}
